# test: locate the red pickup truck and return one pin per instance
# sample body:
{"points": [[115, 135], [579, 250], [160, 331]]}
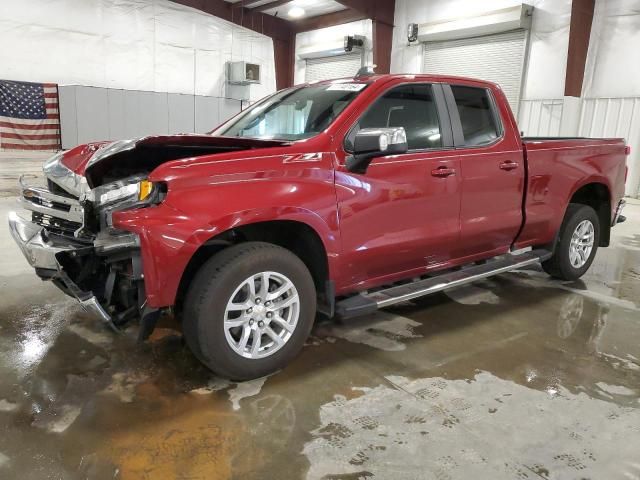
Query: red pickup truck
{"points": [[337, 197]]}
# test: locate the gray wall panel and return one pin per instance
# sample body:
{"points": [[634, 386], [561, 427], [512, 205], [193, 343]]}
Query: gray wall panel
{"points": [[181, 113], [68, 116], [93, 118], [133, 117], [207, 114], [153, 113], [161, 113], [93, 114], [228, 109], [117, 114]]}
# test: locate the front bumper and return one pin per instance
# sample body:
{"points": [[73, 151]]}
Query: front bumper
{"points": [[43, 253], [39, 251]]}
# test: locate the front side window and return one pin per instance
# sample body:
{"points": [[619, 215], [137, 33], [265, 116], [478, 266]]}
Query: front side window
{"points": [[410, 106], [479, 125], [294, 114]]}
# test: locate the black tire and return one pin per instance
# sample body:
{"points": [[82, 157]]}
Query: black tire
{"points": [[559, 266], [213, 286]]}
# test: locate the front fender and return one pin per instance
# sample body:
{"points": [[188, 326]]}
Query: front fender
{"points": [[169, 236]]}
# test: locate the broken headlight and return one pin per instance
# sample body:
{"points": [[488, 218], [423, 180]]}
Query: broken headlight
{"points": [[132, 193]]}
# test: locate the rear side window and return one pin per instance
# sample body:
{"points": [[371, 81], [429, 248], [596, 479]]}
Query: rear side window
{"points": [[478, 119], [410, 106]]}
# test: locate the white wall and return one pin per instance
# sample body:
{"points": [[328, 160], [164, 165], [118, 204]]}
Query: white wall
{"points": [[152, 45], [611, 93], [613, 61], [611, 89], [610, 103], [549, 38], [318, 39]]}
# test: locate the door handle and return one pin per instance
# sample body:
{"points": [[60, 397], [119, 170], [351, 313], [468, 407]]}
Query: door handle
{"points": [[443, 172], [508, 165]]}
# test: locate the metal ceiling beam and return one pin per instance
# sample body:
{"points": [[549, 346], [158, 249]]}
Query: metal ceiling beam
{"points": [[245, 17], [378, 10], [328, 20], [270, 5], [245, 3], [281, 32]]}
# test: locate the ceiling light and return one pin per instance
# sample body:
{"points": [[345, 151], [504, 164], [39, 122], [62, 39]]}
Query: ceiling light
{"points": [[296, 12]]}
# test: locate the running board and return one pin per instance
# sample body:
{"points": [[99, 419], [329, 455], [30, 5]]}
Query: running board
{"points": [[365, 303]]}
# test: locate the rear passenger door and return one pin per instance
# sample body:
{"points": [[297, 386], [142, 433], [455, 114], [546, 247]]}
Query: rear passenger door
{"points": [[492, 171]]}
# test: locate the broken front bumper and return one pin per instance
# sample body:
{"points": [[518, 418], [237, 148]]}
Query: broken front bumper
{"points": [[44, 254]]}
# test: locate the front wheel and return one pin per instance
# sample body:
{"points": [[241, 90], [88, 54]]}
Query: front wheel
{"points": [[577, 244], [249, 310]]}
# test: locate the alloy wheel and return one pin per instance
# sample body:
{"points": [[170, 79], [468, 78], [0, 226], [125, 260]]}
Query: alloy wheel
{"points": [[261, 315]]}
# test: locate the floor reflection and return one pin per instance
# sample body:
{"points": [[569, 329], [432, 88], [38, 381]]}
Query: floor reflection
{"points": [[519, 376]]}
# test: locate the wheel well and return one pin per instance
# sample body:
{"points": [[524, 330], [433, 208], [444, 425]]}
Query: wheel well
{"points": [[597, 196], [297, 237]]}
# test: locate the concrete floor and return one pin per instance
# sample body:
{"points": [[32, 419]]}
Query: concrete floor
{"points": [[516, 377]]}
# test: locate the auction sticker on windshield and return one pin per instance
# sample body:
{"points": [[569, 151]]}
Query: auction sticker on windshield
{"points": [[347, 87]]}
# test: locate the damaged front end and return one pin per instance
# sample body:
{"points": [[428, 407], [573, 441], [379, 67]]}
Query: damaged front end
{"points": [[70, 240]]}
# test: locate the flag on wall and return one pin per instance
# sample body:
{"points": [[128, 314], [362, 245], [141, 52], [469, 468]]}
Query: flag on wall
{"points": [[29, 116]]}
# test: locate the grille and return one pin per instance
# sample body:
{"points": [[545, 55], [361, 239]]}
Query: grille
{"points": [[47, 203], [56, 210], [58, 190], [55, 225]]}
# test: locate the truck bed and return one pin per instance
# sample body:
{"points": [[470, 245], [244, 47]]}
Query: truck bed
{"points": [[542, 139], [557, 167], [571, 139]]}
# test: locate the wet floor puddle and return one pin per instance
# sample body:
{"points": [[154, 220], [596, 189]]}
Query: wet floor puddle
{"points": [[485, 427], [514, 377]]}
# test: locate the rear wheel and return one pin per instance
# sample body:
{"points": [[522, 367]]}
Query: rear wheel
{"points": [[249, 310], [577, 243]]}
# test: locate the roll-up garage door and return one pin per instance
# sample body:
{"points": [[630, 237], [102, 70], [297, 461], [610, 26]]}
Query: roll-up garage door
{"points": [[498, 58], [336, 66]]}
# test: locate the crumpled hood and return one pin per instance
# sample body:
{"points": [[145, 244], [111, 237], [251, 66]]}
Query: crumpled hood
{"points": [[101, 162], [76, 158]]}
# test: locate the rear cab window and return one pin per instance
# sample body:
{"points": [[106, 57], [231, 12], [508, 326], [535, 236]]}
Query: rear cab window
{"points": [[479, 119]]}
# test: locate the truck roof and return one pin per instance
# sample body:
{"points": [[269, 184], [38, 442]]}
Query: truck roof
{"points": [[417, 77]]}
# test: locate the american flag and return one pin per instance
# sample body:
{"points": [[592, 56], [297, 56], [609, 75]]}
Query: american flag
{"points": [[29, 116]]}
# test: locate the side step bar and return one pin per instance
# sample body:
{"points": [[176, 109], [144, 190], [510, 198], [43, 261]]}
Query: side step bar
{"points": [[365, 303]]}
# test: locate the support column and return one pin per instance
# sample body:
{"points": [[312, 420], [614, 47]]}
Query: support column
{"points": [[382, 41], [284, 59], [579, 33]]}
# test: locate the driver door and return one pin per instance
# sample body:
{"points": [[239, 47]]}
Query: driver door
{"points": [[402, 216]]}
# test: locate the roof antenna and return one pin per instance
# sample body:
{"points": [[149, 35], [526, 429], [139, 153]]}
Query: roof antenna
{"points": [[366, 71]]}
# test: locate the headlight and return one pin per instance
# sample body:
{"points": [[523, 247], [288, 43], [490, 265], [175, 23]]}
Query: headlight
{"points": [[145, 189], [121, 193], [138, 193]]}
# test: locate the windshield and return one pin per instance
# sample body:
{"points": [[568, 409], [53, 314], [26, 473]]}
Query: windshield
{"points": [[294, 114]]}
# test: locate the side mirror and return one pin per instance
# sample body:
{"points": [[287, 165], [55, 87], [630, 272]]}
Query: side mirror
{"points": [[370, 143]]}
